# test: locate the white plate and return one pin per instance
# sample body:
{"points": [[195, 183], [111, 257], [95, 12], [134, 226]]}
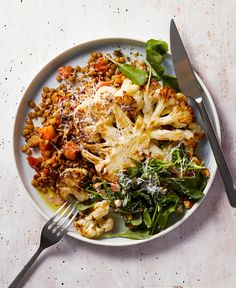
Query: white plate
{"points": [[78, 55]]}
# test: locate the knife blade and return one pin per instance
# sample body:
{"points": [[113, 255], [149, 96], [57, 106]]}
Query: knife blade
{"points": [[190, 87], [188, 83]]}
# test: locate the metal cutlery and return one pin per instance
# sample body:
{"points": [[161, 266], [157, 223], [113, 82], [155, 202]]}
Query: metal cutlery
{"points": [[52, 232], [190, 87]]}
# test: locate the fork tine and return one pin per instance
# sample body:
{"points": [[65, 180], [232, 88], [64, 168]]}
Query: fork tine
{"points": [[60, 225], [68, 216], [50, 221], [71, 220], [57, 220], [65, 228]]}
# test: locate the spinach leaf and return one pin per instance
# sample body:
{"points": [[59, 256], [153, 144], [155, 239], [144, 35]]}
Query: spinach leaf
{"points": [[130, 234], [158, 166], [147, 218], [168, 199], [137, 219], [155, 75], [189, 186], [155, 52], [137, 76], [159, 46], [171, 81], [154, 59], [164, 216]]}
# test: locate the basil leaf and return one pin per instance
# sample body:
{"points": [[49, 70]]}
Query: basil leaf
{"points": [[171, 81], [137, 76], [136, 235], [159, 46]]}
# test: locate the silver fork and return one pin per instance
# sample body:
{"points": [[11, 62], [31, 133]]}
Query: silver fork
{"points": [[52, 232]]}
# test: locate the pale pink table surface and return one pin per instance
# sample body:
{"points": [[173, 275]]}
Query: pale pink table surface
{"points": [[200, 253]]}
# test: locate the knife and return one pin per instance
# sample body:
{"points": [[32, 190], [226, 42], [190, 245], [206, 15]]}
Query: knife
{"points": [[190, 87]]}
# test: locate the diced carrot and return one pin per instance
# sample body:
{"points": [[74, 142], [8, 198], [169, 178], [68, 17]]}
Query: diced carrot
{"points": [[47, 133], [65, 71], [33, 162], [101, 65], [44, 146], [70, 150]]}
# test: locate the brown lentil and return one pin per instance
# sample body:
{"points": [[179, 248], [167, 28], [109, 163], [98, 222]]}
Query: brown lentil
{"points": [[24, 148], [31, 104], [58, 78]]}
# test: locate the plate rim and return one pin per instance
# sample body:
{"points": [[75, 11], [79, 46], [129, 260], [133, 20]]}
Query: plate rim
{"points": [[74, 49]]}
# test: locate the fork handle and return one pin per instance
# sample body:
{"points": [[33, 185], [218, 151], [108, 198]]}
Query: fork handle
{"points": [[219, 157], [18, 282]]}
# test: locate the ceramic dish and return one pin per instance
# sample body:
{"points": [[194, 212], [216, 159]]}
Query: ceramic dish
{"points": [[78, 55]]}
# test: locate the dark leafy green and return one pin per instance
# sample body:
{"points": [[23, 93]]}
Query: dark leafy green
{"points": [[155, 54], [137, 76], [153, 190], [159, 46], [154, 59], [171, 81]]}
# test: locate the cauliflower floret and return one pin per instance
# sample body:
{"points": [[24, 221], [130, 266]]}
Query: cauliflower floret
{"points": [[127, 104], [69, 184], [171, 109], [132, 90], [127, 139], [174, 135], [198, 134], [127, 86], [96, 221]]}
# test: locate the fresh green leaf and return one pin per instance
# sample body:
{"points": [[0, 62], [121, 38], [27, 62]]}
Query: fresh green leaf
{"points": [[164, 216], [194, 194], [154, 59], [147, 218], [155, 75], [84, 206], [137, 219], [167, 199], [130, 234], [171, 81], [189, 186], [137, 76], [159, 46]]}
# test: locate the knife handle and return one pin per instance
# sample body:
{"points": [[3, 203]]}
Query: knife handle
{"points": [[219, 157]]}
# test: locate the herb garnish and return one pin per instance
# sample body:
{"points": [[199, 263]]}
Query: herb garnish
{"points": [[153, 190]]}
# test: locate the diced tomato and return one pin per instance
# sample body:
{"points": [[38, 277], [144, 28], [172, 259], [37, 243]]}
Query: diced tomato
{"points": [[33, 162], [70, 150], [65, 71], [44, 146], [101, 65], [47, 133]]}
